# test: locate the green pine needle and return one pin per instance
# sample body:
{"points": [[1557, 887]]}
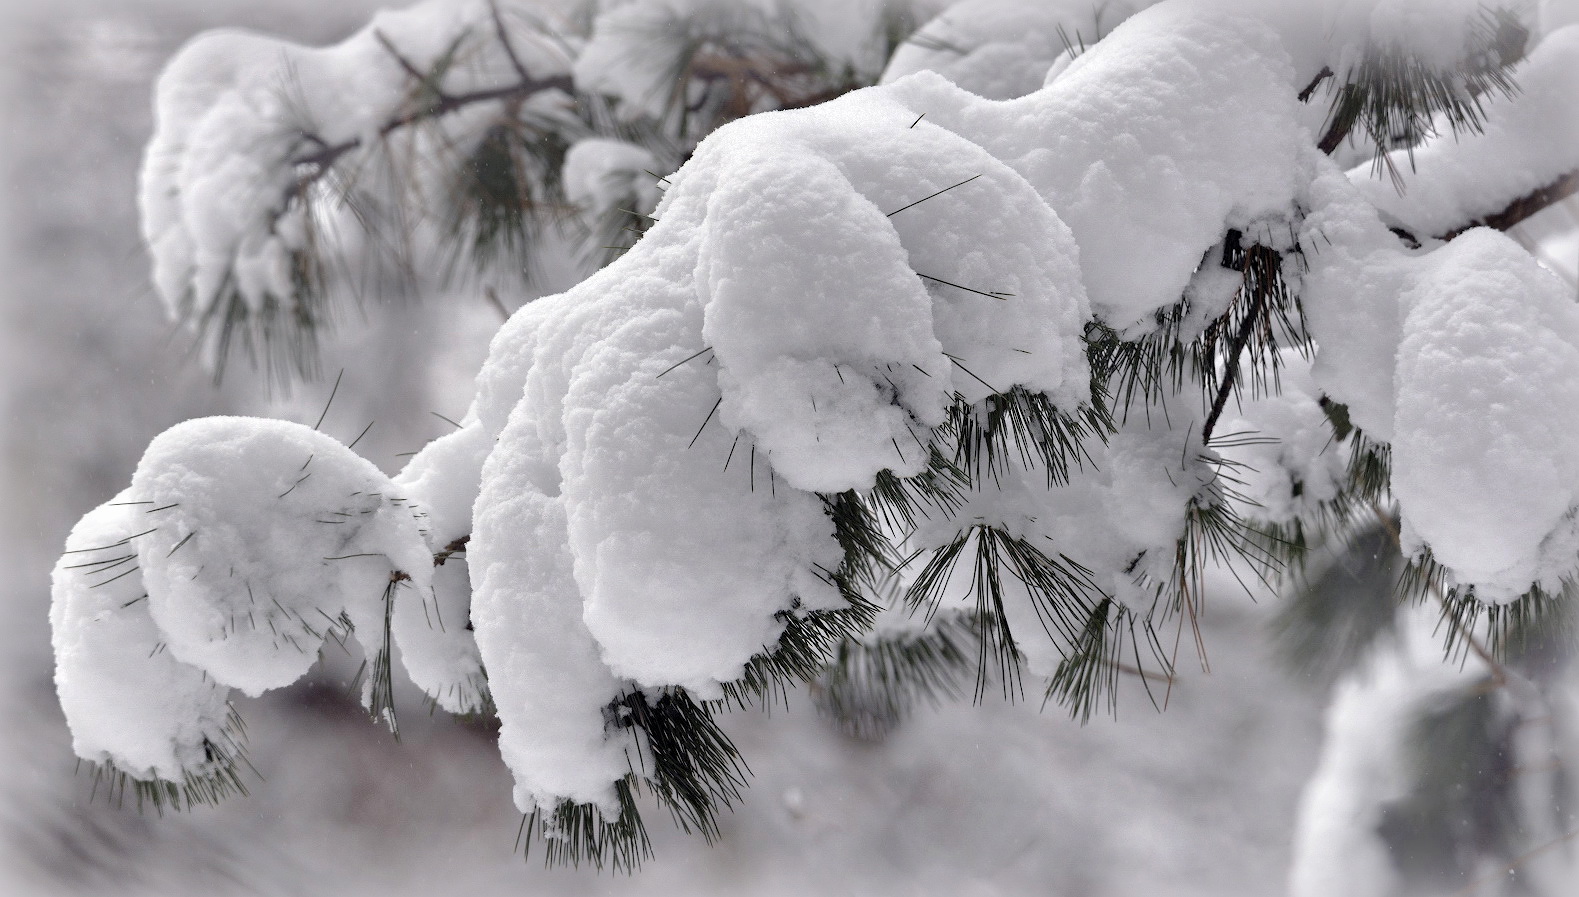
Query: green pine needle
{"points": [[874, 683]]}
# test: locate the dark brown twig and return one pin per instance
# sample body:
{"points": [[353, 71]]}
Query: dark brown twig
{"points": [[1310, 89], [322, 159], [1524, 207], [456, 547]]}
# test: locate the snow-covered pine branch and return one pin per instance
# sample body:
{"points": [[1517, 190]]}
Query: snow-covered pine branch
{"points": [[913, 369], [427, 148]]}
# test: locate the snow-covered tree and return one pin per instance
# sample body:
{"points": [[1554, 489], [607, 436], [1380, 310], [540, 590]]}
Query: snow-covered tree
{"points": [[961, 381]]}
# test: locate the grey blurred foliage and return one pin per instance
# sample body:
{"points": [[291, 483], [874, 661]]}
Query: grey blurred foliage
{"points": [[964, 800]]}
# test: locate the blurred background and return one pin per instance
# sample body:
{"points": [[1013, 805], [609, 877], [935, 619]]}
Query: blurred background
{"points": [[993, 799]]}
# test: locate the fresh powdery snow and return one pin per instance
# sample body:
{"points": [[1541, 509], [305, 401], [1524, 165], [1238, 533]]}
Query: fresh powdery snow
{"points": [[1463, 358], [1486, 439], [1002, 49], [264, 532], [1137, 150], [641, 484], [129, 704], [239, 547]]}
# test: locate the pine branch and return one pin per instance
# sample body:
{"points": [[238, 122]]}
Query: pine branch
{"points": [[1398, 99], [1270, 304], [324, 158], [572, 833], [1236, 348]]}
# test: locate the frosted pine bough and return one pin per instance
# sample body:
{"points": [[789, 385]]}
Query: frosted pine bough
{"points": [[987, 351]]}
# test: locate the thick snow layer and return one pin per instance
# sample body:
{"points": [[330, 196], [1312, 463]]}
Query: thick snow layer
{"points": [[1486, 448], [818, 285], [1002, 49], [1137, 149], [129, 701], [1349, 295], [769, 337], [548, 682], [1463, 357], [1530, 140], [823, 310], [262, 533]]}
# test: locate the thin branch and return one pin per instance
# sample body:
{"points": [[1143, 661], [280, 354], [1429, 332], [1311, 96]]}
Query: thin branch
{"points": [[504, 41], [1525, 207], [323, 159], [1343, 122], [1235, 350]]}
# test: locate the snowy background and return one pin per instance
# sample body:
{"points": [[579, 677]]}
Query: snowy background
{"points": [[973, 801]]}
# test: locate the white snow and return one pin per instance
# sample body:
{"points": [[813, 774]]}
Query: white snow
{"points": [[1463, 358], [639, 475], [1135, 145], [1357, 270], [264, 532], [548, 682], [1002, 49], [1486, 449]]}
